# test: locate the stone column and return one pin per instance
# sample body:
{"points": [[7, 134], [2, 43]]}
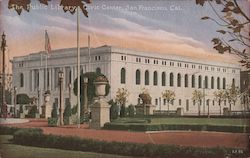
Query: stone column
{"points": [[47, 106]]}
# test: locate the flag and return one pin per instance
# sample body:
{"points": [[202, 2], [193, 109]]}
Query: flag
{"points": [[47, 43]]}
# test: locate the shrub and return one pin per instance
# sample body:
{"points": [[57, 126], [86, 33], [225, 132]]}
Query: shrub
{"points": [[35, 137], [74, 109], [7, 130], [123, 111], [131, 110], [54, 111], [53, 122], [21, 108], [67, 110], [22, 99], [84, 118], [32, 112], [140, 126], [114, 110]]}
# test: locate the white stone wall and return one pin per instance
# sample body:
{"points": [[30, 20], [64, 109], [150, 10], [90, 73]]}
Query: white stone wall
{"points": [[109, 60]]}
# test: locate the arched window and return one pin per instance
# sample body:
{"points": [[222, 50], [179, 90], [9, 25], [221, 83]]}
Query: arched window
{"points": [[233, 81], [208, 102], [193, 81], [21, 80], [163, 79], [200, 82], [218, 83], [146, 77], [186, 80], [212, 82], [137, 77], [206, 82], [171, 79], [155, 78], [98, 70], [179, 80], [224, 83], [123, 76]]}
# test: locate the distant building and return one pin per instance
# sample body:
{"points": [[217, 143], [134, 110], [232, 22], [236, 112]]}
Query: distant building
{"points": [[245, 88], [133, 70], [245, 80]]}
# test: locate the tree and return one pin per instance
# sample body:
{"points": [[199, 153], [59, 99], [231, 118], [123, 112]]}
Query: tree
{"points": [[197, 98], [68, 5], [114, 110], [32, 112], [23, 99], [234, 23], [67, 110], [169, 96], [146, 99], [54, 111], [91, 87], [131, 110], [220, 95], [8, 95], [121, 99], [232, 94]]}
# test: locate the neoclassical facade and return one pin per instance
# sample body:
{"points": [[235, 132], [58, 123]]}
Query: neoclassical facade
{"points": [[130, 69]]}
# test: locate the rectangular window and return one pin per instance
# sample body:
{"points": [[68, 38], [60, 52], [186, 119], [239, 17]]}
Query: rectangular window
{"points": [[187, 105], [180, 102]]}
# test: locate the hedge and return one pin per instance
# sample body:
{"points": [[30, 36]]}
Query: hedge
{"points": [[52, 122], [4, 130], [163, 127], [34, 137]]}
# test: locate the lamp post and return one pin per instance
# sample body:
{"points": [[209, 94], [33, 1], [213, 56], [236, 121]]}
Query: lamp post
{"points": [[38, 101], [85, 87], [204, 99], [15, 90], [3, 48], [60, 77], [160, 103], [70, 87]]}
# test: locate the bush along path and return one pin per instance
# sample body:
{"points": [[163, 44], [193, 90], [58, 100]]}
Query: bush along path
{"points": [[35, 137]]}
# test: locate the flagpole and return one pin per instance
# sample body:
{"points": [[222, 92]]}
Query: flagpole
{"points": [[78, 71], [46, 73], [89, 52]]}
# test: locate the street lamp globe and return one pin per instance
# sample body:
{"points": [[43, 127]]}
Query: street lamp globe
{"points": [[60, 74], [3, 36], [70, 85], [85, 79]]}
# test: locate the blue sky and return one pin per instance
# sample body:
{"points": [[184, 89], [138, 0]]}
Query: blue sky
{"points": [[172, 27]]}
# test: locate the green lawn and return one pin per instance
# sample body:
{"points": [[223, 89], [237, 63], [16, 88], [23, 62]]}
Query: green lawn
{"points": [[190, 121], [9, 150]]}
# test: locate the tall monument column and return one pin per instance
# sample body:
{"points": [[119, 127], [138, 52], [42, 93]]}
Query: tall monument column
{"points": [[4, 105]]}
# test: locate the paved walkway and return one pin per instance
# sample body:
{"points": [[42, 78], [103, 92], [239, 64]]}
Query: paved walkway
{"points": [[183, 138]]}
